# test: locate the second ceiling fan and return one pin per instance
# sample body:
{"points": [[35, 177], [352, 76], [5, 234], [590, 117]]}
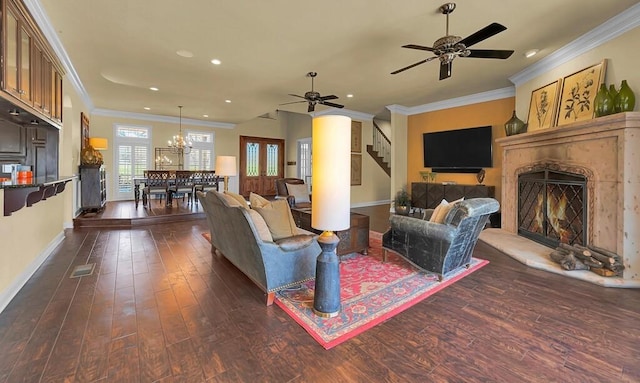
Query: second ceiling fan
{"points": [[312, 97], [449, 47]]}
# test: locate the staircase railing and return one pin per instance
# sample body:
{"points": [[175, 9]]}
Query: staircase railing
{"points": [[381, 144]]}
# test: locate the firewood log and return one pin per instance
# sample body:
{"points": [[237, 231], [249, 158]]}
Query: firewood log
{"points": [[558, 256], [583, 255], [605, 252]]}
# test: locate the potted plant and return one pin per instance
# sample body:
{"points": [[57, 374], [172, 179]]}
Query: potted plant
{"points": [[402, 202]]}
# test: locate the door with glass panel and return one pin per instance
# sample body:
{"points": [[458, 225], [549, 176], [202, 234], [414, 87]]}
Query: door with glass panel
{"points": [[261, 163], [131, 157]]}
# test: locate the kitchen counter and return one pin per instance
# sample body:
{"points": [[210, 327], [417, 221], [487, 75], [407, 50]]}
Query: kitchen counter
{"points": [[26, 192]]}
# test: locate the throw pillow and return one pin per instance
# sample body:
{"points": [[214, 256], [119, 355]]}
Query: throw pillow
{"points": [[230, 201], [441, 211], [260, 225], [278, 217], [257, 200], [239, 198], [299, 192]]}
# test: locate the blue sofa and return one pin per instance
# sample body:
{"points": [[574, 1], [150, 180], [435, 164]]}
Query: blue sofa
{"points": [[239, 237]]}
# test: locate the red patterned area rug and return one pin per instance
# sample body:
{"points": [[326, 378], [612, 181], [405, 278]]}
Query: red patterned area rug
{"points": [[371, 292]]}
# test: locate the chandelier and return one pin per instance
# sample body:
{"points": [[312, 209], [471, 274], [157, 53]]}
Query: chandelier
{"points": [[179, 144]]}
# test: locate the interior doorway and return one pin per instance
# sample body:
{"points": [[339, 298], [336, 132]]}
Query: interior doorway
{"points": [[261, 163]]}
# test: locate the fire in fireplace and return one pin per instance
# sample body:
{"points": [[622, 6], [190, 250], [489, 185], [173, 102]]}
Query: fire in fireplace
{"points": [[552, 207]]}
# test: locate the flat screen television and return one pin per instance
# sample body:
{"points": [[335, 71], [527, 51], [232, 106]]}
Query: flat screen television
{"points": [[458, 151]]}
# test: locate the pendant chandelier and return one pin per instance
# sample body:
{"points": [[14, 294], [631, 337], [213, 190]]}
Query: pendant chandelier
{"points": [[179, 144]]}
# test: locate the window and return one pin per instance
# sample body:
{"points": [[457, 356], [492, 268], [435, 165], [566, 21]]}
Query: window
{"points": [[304, 160], [131, 156], [201, 155]]}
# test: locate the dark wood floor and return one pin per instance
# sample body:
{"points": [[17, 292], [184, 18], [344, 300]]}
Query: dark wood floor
{"points": [[159, 307]]}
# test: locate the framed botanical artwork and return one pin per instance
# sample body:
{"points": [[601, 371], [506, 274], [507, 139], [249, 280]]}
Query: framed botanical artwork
{"points": [[578, 92], [356, 136], [84, 134], [356, 169], [542, 109]]}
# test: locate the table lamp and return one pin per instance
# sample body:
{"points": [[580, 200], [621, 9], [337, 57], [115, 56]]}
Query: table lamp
{"points": [[226, 167], [330, 210]]}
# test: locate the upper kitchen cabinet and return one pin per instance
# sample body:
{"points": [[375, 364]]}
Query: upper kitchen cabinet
{"points": [[30, 72]]}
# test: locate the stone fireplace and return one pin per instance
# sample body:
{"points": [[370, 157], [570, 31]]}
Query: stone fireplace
{"points": [[602, 157]]}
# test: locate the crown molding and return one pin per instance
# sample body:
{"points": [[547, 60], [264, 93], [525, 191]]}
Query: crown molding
{"points": [[158, 118], [355, 115], [476, 98], [399, 109], [42, 20], [610, 29]]}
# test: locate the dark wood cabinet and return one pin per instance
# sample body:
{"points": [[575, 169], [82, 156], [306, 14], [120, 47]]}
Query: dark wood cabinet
{"points": [[42, 151], [428, 195], [93, 182], [31, 74], [13, 142]]}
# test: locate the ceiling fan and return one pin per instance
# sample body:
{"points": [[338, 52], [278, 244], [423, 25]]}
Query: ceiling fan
{"points": [[449, 47], [312, 97]]}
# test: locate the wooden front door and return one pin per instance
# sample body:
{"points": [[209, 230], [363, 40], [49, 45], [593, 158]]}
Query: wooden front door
{"points": [[261, 163]]}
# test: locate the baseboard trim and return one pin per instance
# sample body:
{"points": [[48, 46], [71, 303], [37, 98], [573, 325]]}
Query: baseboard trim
{"points": [[10, 292], [372, 203]]}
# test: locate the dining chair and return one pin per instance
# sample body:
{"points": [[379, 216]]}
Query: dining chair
{"points": [[184, 185], [156, 183], [205, 181]]}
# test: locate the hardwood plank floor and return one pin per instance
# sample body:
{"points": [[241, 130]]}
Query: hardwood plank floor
{"points": [[160, 307]]}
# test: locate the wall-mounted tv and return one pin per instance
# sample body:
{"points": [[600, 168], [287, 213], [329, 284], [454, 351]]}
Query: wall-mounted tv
{"points": [[458, 151]]}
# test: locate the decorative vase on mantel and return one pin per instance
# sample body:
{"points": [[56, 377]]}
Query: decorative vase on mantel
{"points": [[603, 103], [514, 125], [625, 101], [613, 92]]}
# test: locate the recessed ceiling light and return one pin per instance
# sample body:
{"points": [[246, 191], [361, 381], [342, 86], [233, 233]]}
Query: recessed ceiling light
{"points": [[227, 101], [349, 95], [184, 53], [531, 53], [205, 115], [153, 88], [146, 108], [216, 62]]}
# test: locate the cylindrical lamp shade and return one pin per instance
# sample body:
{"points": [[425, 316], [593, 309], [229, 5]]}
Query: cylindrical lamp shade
{"points": [[226, 166], [99, 143], [331, 172]]}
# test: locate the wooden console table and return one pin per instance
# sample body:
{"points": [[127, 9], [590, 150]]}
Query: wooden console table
{"points": [[354, 239]]}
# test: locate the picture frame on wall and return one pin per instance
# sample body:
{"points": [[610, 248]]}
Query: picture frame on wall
{"points": [[356, 136], [356, 169], [84, 134], [578, 93], [543, 106]]}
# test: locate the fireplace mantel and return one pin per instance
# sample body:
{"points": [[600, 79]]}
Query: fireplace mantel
{"points": [[606, 148]]}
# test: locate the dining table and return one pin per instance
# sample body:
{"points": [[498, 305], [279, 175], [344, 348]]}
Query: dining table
{"points": [[198, 178]]}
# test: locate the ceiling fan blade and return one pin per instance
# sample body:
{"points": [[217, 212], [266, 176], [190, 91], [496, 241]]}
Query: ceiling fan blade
{"points": [[412, 65], [295, 95], [420, 47], [490, 53], [330, 97], [311, 108], [445, 70], [292, 102], [484, 33], [333, 105]]}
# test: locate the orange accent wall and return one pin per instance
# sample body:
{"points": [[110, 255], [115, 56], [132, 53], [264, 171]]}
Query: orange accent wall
{"points": [[494, 113]]}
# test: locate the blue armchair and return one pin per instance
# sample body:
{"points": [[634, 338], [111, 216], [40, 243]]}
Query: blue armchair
{"points": [[440, 247]]}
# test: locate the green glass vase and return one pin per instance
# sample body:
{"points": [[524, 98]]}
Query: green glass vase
{"points": [[603, 103], [625, 101], [613, 92], [514, 125]]}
